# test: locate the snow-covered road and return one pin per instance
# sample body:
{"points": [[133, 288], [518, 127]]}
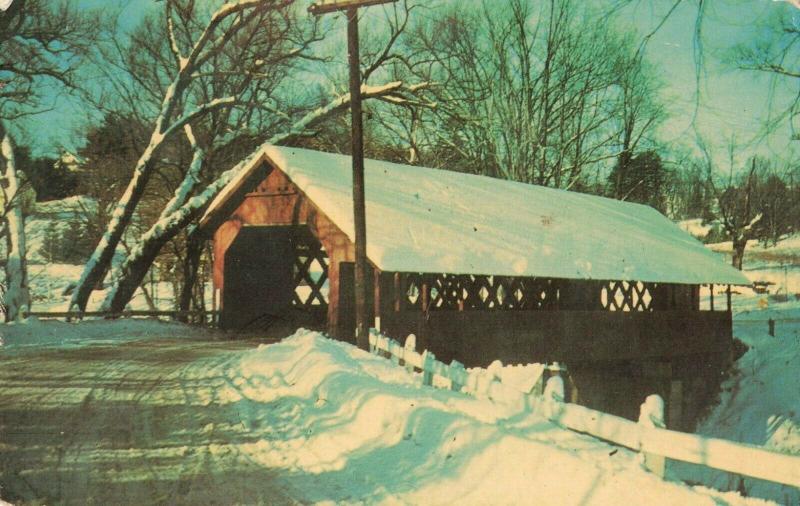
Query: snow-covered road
{"points": [[125, 423]]}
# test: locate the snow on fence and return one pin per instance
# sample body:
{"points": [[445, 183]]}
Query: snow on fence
{"points": [[480, 383], [648, 436]]}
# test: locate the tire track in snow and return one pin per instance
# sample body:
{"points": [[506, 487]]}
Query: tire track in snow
{"points": [[129, 414]]}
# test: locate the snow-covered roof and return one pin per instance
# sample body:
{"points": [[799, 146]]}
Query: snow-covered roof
{"points": [[429, 220]]}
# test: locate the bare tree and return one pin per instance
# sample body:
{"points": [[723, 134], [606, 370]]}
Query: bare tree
{"points": [[263, 112], [524, 94], [638, 112], [736, 204], [775, 53], [17, 297], [196, 50], [776, 198]]}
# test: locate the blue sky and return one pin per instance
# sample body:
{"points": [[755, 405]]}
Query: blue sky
{"points": [[734, 103], [60, 125]]}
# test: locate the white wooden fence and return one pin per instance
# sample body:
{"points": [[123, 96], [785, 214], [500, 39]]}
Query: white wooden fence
{"points": [[648, 436]]}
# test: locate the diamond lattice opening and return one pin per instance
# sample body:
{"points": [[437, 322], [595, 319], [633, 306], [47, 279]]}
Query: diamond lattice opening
{"points": [[619, 298], [647, 299], [310, 273]]}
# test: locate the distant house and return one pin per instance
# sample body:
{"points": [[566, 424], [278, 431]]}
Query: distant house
{"points": [[478, 269]]}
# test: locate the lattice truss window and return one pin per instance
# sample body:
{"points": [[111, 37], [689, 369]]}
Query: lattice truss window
{"points": [[310, 273], [626, 296], [448, 291]]}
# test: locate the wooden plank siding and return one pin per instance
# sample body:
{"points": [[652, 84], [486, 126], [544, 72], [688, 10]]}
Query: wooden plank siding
{"points": [[277, 201], [478, 337], [574, 329]]}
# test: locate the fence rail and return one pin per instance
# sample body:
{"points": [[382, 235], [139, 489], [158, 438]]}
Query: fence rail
{"points": [[174, 314], [648, 436]]}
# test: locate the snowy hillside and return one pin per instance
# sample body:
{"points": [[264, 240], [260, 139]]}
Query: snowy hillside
{"points": [[696, 228], [50, 225], [778, 264], [760, 401]]}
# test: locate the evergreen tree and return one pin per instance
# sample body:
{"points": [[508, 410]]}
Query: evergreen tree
{"points": [[645, 180]]}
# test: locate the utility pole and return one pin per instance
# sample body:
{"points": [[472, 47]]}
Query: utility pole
{"points": [[350, 7]]}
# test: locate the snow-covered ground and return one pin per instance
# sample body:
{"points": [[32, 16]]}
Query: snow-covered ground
{"points": [[324, 422], [47, 228], [48, 283], [778, 264], [696, 227], [774, 263], [360, 429], [331, 424]]}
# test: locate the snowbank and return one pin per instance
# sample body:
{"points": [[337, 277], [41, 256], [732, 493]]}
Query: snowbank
{"points": [[343, 426]]}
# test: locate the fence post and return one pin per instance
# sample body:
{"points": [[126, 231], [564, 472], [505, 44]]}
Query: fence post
{"points": [[408, 349], [557, 369], [373, 342], [457, 373], [394, 351], [651, 415], [553, 396], [428, 359]]}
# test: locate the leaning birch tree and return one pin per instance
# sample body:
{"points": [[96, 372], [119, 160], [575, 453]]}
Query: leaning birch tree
{"points": [[17, 296], [194, 55], [530, 91], [279, 128]]}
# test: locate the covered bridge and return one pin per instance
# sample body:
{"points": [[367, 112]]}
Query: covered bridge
{"points": [[479, 269]]}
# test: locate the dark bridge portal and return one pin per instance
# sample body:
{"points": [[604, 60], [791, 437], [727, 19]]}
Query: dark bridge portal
{"points": [[275, 277]]}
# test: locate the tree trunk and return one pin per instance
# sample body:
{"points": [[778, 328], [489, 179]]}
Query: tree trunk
{"points": [[17, 296], [98, 263], [739, 246], [191, 263], [135, 267]]}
